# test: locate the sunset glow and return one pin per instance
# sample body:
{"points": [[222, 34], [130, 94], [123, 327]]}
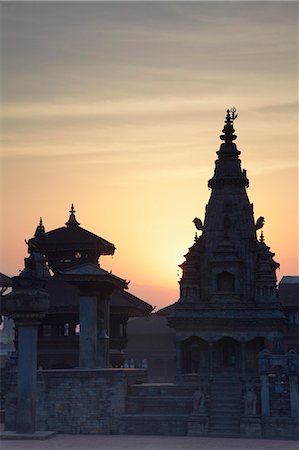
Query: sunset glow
{"points": [[117, 107]]}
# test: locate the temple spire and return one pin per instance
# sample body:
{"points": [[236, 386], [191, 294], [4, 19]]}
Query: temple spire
{"points": [[228, 129], [72, 219], [228, 165]]}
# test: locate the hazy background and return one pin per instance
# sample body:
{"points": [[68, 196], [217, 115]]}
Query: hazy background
{"points": [[118, 107]]}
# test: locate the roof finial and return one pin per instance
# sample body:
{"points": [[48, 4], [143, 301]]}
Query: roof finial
{"points": [[262, 239], [228, 129], [40, 229], [72, 220]]}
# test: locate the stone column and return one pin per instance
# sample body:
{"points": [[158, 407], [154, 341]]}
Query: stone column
{"points": [[179, 357], [265, 400], [88, 332], [293, 380], [211, 357], [103, 332], [27, 305], [26, 377], [243, 358]]}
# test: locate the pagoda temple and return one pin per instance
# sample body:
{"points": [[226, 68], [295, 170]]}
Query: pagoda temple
{"points": [[72, 253]]}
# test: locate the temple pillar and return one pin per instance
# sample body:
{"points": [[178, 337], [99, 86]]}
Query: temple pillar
{"points": [[265, 400], [243, 358], [103, 333], [26, 305], [293, 380], [211, 357], [88, 332], [26, 377], [179, 357]]}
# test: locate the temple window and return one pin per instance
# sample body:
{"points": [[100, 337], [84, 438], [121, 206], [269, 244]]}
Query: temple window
{"points": [[225, 281], [77, 329], [188, 291], [265, 291], [194, 293]]}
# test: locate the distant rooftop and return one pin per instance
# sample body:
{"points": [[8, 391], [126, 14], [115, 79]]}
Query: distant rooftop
{"points": [[5, 281], [289, 280]]}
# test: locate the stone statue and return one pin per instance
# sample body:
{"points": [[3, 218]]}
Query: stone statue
{"points": [[259, 223], [199, 399], [250, 401], [198, 224], [35, 266]]}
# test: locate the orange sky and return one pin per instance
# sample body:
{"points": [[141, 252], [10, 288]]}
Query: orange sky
{"points": [[118, 108]]}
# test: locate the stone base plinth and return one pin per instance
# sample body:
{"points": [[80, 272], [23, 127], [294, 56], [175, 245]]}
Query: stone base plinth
{"points": [[250, 426], [280, 428], [197, 425], [38, 435]]}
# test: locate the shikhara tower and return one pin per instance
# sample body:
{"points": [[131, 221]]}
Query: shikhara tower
{"points": [[228, 309]]}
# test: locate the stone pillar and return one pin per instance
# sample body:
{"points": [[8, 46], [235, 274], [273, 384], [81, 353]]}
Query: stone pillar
{"points": [[243, 358], [26, 377], [211, 357], [265, 400], [103, 332], [88, 332], [293, 380], [179, 357], [107, 330]]}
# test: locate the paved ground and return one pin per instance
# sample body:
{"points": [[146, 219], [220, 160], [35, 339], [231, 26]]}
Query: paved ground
{"points": [[98, 442]]}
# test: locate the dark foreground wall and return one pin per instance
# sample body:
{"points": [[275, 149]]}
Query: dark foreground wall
{"points": [[77, 401]]}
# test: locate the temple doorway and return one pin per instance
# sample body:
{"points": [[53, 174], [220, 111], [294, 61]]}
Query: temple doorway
{"points": [[195, 355], [227, 355]]}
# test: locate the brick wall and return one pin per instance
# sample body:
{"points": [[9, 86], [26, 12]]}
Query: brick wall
{"points": [[77, 401]]}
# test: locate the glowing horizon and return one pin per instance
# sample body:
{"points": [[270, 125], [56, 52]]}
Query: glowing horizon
{"points": [[118, 108]]}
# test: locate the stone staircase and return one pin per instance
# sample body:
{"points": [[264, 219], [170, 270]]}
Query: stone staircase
{"points": [[158, 409], [225, 406], [167, 408]]}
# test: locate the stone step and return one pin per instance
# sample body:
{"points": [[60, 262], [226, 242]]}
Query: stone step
{"points": [[225, 394], [159, 404], [161, 389], [225, 413], [224, 427], [220, 405], [225, 434], [224, 424], [228, 388], [155, 424], [225, 407], [224, 420]]}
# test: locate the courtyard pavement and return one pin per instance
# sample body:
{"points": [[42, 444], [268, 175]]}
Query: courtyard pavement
{"points": [[101, 442]]}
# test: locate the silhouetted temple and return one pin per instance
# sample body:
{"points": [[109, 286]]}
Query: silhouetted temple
{"points": [[237, 364], [73, 255], [228, 309]]}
